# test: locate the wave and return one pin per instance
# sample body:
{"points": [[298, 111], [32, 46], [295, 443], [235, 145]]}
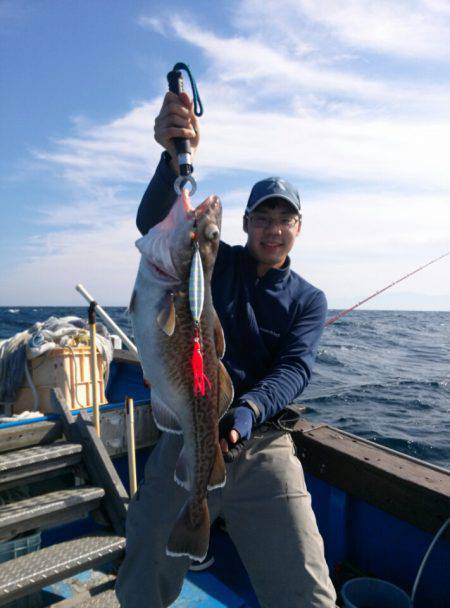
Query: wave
{"points": [[325, 356], [383, 375]]}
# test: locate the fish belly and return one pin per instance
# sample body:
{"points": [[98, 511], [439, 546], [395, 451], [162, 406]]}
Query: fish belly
{"points": [[166, 363]]}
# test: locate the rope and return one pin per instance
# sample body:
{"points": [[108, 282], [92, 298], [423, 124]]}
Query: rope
{"points": [[198, 106], [32, 387], [425, 559]]}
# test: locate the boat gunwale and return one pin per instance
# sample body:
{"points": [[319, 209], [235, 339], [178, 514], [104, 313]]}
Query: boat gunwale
{"points": [[395, 484]]}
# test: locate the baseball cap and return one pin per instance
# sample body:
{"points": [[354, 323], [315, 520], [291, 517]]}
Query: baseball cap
{"points": [[273, 187]]}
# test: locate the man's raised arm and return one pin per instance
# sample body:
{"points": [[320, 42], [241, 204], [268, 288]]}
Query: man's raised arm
{"points": [[175, 119], [158, 198]]}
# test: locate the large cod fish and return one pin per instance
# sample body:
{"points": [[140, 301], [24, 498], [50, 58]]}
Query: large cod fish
{"points": [[188, 397]]}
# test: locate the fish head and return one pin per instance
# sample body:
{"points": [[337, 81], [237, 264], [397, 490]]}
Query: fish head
{"points": [[208, 221], [167, 247]]}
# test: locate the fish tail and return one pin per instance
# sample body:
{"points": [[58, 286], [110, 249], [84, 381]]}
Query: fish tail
{"points": [[190, 534]]}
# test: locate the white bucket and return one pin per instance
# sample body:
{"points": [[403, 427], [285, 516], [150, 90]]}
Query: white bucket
{"points": [[373, 593]]}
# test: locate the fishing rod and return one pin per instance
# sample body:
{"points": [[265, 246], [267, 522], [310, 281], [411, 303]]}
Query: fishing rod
{"points": [[345, 312]]}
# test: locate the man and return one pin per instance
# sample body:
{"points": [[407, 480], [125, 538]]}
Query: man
{"points": [[272, 321]]}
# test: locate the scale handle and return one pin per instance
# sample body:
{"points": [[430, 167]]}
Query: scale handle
{"points": [[182, 145]]}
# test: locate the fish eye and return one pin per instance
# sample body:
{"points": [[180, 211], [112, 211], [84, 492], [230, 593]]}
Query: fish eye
{"points": [[211, 232]]}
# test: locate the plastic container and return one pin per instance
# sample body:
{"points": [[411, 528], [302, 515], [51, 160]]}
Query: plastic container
{"points": [[22, 545], [67, 369], [373, 593]]}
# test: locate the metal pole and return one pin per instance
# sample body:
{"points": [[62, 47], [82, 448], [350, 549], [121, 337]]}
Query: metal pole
{"points": [[129, 415], [94, 381], [87, 296]]}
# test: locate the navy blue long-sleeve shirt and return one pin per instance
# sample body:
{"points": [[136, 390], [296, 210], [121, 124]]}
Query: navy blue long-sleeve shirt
{"points": [[272, 324]]}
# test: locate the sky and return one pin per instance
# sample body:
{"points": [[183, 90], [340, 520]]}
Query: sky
{"points": [[350, 101]]}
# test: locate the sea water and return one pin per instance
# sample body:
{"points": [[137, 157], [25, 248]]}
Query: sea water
{"points": [[382, 375]]}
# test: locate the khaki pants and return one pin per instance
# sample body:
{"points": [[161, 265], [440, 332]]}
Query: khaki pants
{"points": [[268, 515]]}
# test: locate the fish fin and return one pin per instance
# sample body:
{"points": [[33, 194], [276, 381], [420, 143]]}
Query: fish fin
{"points": [[131, 304], [226, 390], [165, 420], [219, 338], [166, 316], [181, 474], [188, 537], [218, 475]]}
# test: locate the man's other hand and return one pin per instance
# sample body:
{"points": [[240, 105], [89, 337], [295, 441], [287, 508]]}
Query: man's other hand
{"points": [[230, 441], [177, 119], [234, 428]]}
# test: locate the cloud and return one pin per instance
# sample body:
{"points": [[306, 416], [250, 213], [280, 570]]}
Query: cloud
{"points": [[154, 23], [350, 245], [403, 28], [347, 149], [275, 76], [118, 151], [353, 244], [102, 257], [284, 94], [346, 128], [406, 28], [100, 205]]}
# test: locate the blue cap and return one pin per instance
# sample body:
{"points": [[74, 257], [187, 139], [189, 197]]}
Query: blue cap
{"points": [[273, 187]]}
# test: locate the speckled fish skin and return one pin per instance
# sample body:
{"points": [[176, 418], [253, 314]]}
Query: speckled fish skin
{"points": [[164, 333]]}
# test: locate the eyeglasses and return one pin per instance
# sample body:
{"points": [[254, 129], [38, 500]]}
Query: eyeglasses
{"points": [[262, 221]]}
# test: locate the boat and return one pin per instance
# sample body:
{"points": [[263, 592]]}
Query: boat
{"points": [[377, 509]]}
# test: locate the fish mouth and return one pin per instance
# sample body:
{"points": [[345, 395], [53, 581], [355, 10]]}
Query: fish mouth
{"points": [[196, 212], [162, 273], [211, 204]]}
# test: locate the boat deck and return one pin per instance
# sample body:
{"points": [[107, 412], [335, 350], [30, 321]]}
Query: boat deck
{"points": [[377, 509]]}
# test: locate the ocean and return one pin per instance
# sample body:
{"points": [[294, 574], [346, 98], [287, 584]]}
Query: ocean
{"points": [[382, 375]]}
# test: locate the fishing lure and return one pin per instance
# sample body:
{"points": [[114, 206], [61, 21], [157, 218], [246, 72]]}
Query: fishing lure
{"points": [[196, 299]]}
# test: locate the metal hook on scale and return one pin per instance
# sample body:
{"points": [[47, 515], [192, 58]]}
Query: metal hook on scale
{"points": [[183, 145]]}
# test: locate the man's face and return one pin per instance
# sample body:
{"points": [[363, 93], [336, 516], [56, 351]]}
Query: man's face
{"points": [[272, 229]]}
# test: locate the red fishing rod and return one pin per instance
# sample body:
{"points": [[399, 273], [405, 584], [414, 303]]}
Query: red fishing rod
{"points": [[345, 312]]}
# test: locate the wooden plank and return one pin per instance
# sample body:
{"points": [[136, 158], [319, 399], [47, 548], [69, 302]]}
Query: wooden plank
{"points": [[410, 490], [113, 434], [113, 429], [37, 433], [96, 459], [102, 471]]}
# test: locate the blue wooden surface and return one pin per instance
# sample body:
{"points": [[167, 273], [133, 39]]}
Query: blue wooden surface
{"points": [[381, 545], [207, 592], [200, 590]]}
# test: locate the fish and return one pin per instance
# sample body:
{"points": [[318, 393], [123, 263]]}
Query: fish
{"points": [[180, 343]]}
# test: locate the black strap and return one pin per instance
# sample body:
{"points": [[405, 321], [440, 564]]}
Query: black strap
{"points": [[198, 106]]}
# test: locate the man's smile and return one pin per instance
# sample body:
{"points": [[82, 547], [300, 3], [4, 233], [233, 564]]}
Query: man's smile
{"points": [[272, 245]]}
